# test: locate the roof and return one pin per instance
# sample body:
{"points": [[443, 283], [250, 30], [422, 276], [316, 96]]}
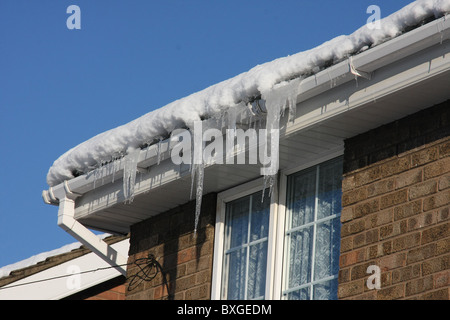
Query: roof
{"points": [[26, 279], [235, 92]]}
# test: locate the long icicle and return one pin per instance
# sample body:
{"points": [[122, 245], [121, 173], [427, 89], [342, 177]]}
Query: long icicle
{"points": [[197, 170]]}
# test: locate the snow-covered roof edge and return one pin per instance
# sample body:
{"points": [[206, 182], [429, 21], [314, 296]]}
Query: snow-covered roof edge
{"points": [[211, 101]]}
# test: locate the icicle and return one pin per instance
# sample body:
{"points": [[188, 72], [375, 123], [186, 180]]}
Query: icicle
{"points": [[98, 174], [223, 120], [197, 169], [103, 172], [199, 172], [242, 118], [95, 178], [159, 151], [269, 180], [250, 121], [230, 136], [129, 174], [192, 180], [293, 90], [114, 170], [275, 100], [192, 168], [232, 116]]}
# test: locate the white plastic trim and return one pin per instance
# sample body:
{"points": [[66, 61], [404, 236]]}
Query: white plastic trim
{"points": [[67, 222]]}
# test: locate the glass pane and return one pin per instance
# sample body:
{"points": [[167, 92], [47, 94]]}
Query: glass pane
{"points": [[238, 219], [260, 217], [236, 274], [245, 262], [327, 249], [300, 257], [301, 199], [313, 197], [329, 197], [326, 291], [302, 294], [257, 270]]}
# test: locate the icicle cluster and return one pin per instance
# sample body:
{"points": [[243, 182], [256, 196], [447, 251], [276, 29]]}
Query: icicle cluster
{"points": [[129, 174]]}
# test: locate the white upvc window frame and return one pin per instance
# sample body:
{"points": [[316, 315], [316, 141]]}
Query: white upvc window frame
{"points": [[275, 279], [219, 243], [280, 278]]}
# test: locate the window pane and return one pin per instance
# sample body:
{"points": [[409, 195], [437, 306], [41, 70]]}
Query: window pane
{"points": [[327, 249], [236, 274], [329, 196], [302, 197], [238, 212], [326, 291], [302, 294], [313, 231], [300, 257], [257, 270], [245, 263], [260, 217]]}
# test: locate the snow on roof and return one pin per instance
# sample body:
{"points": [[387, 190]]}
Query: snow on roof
{"points": [[33, 260], [212, 101], [6, 270]]}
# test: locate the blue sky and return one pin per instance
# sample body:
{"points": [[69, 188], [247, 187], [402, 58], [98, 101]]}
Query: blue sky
{"points": [[60, 87]]}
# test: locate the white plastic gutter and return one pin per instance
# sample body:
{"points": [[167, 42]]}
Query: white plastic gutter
{"points": [[361, 65], [67, 222]]}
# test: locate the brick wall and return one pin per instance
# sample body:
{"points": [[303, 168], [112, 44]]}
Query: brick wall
{"points": [[185, 258], [116, 293], [113, 289], [396, 203]]}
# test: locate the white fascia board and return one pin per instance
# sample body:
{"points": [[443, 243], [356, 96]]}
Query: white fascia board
{"points": [[111, 194], [386, 81], [382, 55], [41, 286], [414, 41], [408, 44]]}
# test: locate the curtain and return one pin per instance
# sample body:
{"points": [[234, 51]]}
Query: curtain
{"points": [[313, 232], [246, 247]]}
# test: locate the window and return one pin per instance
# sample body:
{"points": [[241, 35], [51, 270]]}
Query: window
{"points": [[312, 233], [281, 247], [245, 261]]}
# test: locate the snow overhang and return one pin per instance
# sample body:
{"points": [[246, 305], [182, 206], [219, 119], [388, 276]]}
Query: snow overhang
{"points": [[380, 85]]}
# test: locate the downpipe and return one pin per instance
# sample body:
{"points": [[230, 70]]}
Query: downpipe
{"points": [[66, 221]]}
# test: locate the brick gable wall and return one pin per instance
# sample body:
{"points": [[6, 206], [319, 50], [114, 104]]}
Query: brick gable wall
{"points": [[185, 258], [396, 203]]}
